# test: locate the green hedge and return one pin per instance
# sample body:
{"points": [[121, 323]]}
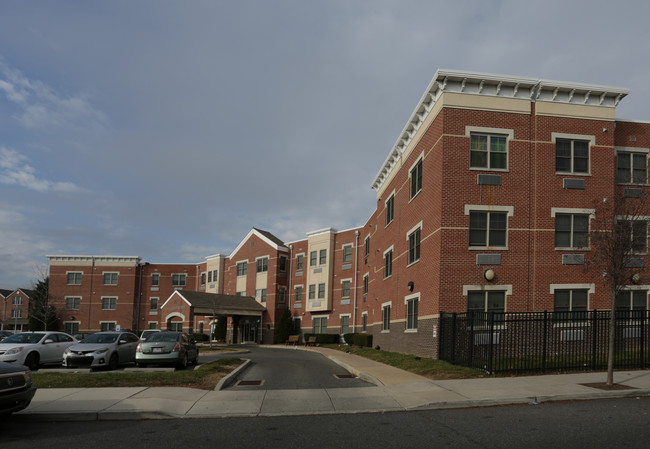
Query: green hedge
{"points": [[324, 338], [358, 339]]}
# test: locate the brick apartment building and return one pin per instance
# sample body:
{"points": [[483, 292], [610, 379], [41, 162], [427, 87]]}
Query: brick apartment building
{"points": [[483, 203], [15, 309]]}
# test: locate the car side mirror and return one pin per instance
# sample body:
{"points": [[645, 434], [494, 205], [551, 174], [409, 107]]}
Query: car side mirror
{"points": [[48, 341]]}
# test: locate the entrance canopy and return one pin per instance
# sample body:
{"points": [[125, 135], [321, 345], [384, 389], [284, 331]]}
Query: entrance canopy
{"points": [[211, 304]]}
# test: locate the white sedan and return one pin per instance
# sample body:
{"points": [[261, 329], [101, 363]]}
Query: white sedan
{"points": [[35, 348]]}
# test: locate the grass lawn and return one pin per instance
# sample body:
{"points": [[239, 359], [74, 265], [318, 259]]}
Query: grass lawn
{"points": [[431, 368], [205, 377]]}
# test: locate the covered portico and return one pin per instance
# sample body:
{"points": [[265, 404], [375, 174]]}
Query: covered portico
{"points": [[244, 312]]}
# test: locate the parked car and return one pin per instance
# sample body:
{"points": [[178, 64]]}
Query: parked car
{"points": [[35, 348], [16, 389], [102, 350], [81, 335], [167, 348], [4, 334], [147, 332]]}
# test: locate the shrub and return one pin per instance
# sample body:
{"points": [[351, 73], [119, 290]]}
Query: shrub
{"points": [[200, 337], [324, 338], [358, 339], [284, 328]]}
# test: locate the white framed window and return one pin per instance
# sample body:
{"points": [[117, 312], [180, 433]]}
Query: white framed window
{"points": [[16, 313], [345, 324], [488, 226], [364, 322], [488, 151], [320, 324], [385, 316], [300, 262], [322, 257], [153, 303], [179, 279], [282, 295], [415, 177], [298, 293], [155, 279], [635, 232], [152, 325], [390, 208], [109, 303], [262, 264], [631, 301], [412, 302], [413, 237], [17, 300], [72, 303], [242, 268], [632, 167], [388, 262], [71, 327], [312, 291], [572, 153], [486, 301], [321, 291], [107, 325], [260, 294], [110, 278], [345, 288], [570, 301], [347, 253], [571, 230], [74, 277]]}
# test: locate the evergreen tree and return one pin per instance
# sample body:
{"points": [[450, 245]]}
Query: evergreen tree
{"points": [[284, 327]]}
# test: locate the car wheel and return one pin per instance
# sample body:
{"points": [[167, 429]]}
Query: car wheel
{"points": [[140, 365], [31, 361], [114, 362], [183, 363]]}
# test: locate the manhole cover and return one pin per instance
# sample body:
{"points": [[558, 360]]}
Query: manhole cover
{"points": [[345, 376], [245, 383]]}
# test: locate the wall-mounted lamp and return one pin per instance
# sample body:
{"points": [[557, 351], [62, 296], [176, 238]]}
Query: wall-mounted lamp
{"points": [[636, 278], [411, 286], [489, 275]]}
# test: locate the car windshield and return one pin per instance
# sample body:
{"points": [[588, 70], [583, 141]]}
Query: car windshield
{"points": [[24, 338], [100, 338], [163, 336]]}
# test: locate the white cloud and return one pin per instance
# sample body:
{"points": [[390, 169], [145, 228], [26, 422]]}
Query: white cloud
{"points": [[14, 169]]}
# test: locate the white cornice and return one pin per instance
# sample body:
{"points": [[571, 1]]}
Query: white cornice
{"points": [[502, 86]]}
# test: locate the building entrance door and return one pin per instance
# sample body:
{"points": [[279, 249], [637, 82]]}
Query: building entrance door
{"points": [[249, 331]]}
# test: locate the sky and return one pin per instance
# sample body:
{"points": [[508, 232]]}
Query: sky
{"points": [[168, 129]]}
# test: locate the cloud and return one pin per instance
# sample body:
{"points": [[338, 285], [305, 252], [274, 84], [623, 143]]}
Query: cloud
{"points": [[14, 169], [38, 106]]}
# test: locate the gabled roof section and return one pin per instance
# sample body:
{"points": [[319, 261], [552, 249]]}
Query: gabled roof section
{"points": [[217, 301], [4, 293], [266, 236], [502, 86]]}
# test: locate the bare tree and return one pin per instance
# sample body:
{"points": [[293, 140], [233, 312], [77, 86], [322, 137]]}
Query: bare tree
{"points": [[618, 236], [42, 315]]}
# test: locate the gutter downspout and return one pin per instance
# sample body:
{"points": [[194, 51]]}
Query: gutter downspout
{"points": [[356, 276]]}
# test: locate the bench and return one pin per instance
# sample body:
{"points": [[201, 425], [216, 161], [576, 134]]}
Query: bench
{"points": [[293, 340], [311, 341]]}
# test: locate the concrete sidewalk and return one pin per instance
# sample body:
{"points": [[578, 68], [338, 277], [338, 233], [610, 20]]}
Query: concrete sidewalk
{"points": [[395, 390]]}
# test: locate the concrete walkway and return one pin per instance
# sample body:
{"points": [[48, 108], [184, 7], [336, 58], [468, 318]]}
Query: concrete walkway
{"points": [[395, 390]]}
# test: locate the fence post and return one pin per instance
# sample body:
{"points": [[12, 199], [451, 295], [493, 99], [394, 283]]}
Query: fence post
{"points": [[491, 349], [470, 355], [594, 344], [544, 341], [644, 318], [453, 339]]}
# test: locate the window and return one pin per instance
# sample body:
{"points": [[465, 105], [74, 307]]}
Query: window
{"points": [[209, 276], [107, 325], [570, 304], [153, 303], [487, 228], [110, 278], [176, 327], [345, 289], [345, 324], [72, 303], [71, 328], [486, 301], [366, 250], [414, 246], [636, 232], [571, 156], [241, 293], [385, 318], [322, 258], [261, 294], [178, 280], [390, 209], [320, 325], [215, 275], [365, 284], [364, 322], [282, 263], [412, 313], [16, 313], [321, 291], [109, 303], [347, 254], [298, 293], [17, 300], [153, 325], [629, 301], [416, 178], [242, 268], [263, 265], [313, 257], [300, 260], [312, 291], [631, 168], [155, 279], [202, 278], [388, 262], [74, 278], [571, 231], [488, 151], [282, 295]]}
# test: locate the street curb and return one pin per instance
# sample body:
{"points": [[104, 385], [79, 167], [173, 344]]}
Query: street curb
{"points": [[228, 379]]}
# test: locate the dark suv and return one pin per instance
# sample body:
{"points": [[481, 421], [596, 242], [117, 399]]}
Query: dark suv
{"points": [[16, 389]]}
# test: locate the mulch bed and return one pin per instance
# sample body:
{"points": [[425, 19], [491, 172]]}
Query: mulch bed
{"points": [[604, 386]]}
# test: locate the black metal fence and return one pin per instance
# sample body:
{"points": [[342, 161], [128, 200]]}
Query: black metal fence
{"points": [[544, 341]]}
